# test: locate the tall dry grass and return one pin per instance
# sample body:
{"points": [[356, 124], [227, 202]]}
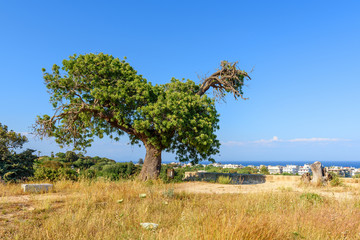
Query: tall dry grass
{"points": [[89, 210]]}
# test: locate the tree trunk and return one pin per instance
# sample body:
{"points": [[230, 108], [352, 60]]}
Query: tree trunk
{"points": [[317, 172], [152, 163]]}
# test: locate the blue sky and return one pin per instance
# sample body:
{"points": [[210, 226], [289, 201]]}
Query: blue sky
{"points": [[304, 101]]}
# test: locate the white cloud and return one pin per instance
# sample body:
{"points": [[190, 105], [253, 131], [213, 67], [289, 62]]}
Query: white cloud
{"points": [[276, 139]]}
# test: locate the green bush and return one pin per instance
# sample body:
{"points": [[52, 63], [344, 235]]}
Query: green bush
{"points": [[48, 174], [17, 166], [336, 181], [118, 171], [312, 198], [67, 174], [179, 174], [224, 180]]}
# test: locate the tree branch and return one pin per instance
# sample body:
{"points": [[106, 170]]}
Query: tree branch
{"points": [[229, 78]]}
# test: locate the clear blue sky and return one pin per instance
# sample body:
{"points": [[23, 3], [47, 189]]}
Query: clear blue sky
{"points": [[304, 97]]}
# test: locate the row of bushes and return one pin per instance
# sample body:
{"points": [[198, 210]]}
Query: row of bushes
{"points": [[113, 172]]}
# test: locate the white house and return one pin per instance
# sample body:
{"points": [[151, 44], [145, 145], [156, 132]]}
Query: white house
{"points": [[292, 169], [304, 169], [275, 169]]}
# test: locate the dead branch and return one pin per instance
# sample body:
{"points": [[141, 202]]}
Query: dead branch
{"points": [[229, 78]]}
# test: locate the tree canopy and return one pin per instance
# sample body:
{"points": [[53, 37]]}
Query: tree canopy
{"points": [[97, 95], [14, 166], [9, 141]]}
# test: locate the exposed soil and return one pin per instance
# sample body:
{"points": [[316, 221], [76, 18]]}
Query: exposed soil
{"points": [[272, 184]]}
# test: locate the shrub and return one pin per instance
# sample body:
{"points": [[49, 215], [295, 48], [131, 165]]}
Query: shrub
{"points": [[117, 171], [67, 174], [169, 193], [48, 174], [264, 170], [179, 174], [312, 198], [224, 180], [336, 181]]}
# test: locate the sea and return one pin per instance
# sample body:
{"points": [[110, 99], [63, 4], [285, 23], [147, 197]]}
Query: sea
{"points": [[284, 163]]}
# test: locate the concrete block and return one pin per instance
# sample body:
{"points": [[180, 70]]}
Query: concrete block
{"points": [[35, 188]]}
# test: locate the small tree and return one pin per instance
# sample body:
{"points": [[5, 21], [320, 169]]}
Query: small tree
{"points": [[97, 95], [14, 166], [9, 141], [141, 161], [264, 170], [71, 156]]}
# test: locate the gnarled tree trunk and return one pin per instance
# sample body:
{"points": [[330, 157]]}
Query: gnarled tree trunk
{"points": [[152, 163]]}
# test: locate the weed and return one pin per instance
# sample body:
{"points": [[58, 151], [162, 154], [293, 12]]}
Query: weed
{"points": [[224, 180], [312, 198], [169, 193]]}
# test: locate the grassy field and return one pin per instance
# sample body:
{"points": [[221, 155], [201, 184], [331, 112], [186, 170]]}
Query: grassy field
{"points": [[90, 210]]}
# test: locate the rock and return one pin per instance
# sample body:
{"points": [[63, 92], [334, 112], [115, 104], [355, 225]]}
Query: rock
{"points": [[120, 200], [306, 178], [320, 175], [317, 172], [142, 195], [149, 226], [36, 188]]}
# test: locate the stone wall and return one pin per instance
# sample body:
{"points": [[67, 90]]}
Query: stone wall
{"points": [[235, 177]]}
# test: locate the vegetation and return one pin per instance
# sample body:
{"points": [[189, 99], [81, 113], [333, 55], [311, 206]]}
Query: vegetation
{"points": [[97, 95], [90, 210], [264, 170], [336, 180], [72, 166], [224, 180], [14, 166]]}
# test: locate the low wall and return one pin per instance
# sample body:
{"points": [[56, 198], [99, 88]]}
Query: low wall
{"points": [[235, 177]]}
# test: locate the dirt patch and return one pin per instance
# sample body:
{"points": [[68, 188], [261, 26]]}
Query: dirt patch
{"points": [[273, 184]]}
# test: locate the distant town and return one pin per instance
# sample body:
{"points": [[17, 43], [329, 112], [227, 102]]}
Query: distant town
{"points": [[278, 169]]}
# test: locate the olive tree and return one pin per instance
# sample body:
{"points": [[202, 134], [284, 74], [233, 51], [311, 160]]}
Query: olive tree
{"points": [[96, 94]]}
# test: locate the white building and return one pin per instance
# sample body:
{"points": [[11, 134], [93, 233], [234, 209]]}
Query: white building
{"points": [[231, 166], [275, 169], [291, 169], [355, 171], [216, 164], [304, 169]]}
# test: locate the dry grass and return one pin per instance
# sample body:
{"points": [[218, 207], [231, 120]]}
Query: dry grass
{"points": [[89, 210]]}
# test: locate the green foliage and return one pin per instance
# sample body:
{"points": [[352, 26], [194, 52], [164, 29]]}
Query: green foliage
{"points": [[9, 141], [60, 155], [99, 95], [48, 174], [52, 164], [247, 170], [67, 174], [84, 163], [336, 181], [312, 198], [71, 156], [14, 166], [224, 180], [118, 170], [18, 166], [264, 170], [169, 193], [179, 174]]}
